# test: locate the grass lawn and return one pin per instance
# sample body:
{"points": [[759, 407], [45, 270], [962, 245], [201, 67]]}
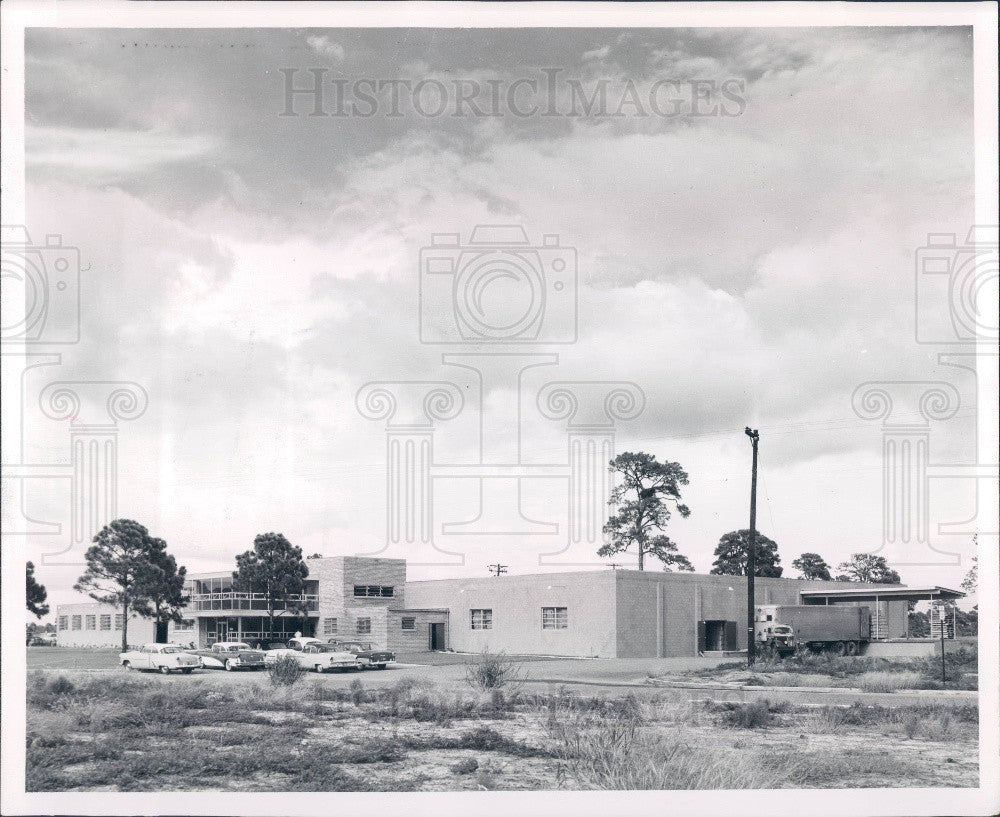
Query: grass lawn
{"points": [[105, 731]]}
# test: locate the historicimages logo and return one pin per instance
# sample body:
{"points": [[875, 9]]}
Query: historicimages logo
{"points": [[499, 301]]}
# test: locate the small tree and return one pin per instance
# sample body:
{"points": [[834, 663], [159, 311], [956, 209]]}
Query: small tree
{"points": [[115, 566], [970, 584], [35, 594], [812, 566], [733, 548], [867, 567], [160, 588], [641, 497], [275, 569]]}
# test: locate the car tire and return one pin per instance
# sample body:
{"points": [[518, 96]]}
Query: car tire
{"points": [[380, 666], [319, 668], [852, 647], [840, 648], [229, 666], [164, 669], [127, 665]]}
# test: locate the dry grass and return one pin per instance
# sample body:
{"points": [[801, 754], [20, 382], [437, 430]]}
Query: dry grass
{"points": [[888, 681], [110, 732]]}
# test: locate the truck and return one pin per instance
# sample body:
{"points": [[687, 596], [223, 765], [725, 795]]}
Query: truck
{"points": [[785, 628]]}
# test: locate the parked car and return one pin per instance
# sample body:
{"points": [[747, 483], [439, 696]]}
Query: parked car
{"points": [[230, 656], [42, 640], [368, 655], [162, 657], [313, 654]]}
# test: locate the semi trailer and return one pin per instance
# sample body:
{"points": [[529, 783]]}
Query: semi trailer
{"points": [[839, 628]]}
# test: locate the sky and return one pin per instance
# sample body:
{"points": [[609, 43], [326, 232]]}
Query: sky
{"points": [[745, 259]]}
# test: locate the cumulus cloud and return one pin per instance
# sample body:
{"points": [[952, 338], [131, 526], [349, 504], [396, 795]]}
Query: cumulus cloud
{"points": [[256, 270]]}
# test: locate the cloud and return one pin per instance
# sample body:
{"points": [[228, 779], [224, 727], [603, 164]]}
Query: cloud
{"points": [[325, 47]]}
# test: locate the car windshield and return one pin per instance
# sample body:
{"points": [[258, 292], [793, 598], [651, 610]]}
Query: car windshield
{"points": [[326, 647]]}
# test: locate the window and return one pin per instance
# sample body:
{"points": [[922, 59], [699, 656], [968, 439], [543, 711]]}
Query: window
{"points": [[482, 619], [184, 624], [118, 621], [373, 590], [409, 623], [329, 626], [106, 622], [554, 618], [63, 622], [76, 621], [91, 622], [364, 626]]}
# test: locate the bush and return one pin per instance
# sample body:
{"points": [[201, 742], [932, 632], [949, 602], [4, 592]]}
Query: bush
{"points": [[752, 715], [284, 672], [492, 671]]}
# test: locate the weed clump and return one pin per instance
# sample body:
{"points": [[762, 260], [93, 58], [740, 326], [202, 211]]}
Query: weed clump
{"points": [[284, 672], [493, 670]]}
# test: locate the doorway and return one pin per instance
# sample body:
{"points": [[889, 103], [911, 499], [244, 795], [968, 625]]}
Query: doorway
{"points": [[437, 636], [717, 635]]}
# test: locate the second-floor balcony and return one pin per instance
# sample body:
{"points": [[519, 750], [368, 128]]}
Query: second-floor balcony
{"points": [[227, 600]]}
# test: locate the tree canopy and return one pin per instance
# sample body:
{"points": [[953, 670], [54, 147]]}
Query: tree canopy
{"points": [[130, 570], [867, 567], [36, 594], [642, 497], [812, 566], [733, 548], [160, 587], [275, 569]]}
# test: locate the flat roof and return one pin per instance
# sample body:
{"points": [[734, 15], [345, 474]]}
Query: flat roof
{"points": [[898, 592]]}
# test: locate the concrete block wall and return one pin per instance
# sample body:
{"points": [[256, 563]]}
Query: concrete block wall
{"points": [[140, 630], [516, 602]]}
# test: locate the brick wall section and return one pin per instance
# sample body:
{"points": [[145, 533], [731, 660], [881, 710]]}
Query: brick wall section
{"points": [[419, 638], [364, 570]]}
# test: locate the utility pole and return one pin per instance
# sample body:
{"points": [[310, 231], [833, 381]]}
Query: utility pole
{"points": [[497, 569], [752, 547]]}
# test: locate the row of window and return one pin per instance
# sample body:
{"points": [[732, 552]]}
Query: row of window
{"points": [[364, 625], [373, 590], [90, 622], [553, 618]]}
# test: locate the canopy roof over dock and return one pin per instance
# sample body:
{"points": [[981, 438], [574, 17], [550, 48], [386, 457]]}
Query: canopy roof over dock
{"points": [[935, 593]]}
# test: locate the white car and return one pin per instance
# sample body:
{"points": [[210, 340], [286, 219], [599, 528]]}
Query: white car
{"points": [[162, 657], [313, 654]]}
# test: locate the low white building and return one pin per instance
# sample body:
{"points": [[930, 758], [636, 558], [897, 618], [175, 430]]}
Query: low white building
{"points": [[90, 624]]}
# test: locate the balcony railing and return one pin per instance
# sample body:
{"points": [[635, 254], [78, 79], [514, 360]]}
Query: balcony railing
{"points": [[233, 600]]}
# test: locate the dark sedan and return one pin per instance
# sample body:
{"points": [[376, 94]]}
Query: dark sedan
{"points": [[369, 656]]}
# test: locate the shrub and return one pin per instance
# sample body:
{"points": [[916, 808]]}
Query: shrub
{"points": [[357, 692], [493, 671], [467, 766], [752, 715], [284, 672], [888, 681]]}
